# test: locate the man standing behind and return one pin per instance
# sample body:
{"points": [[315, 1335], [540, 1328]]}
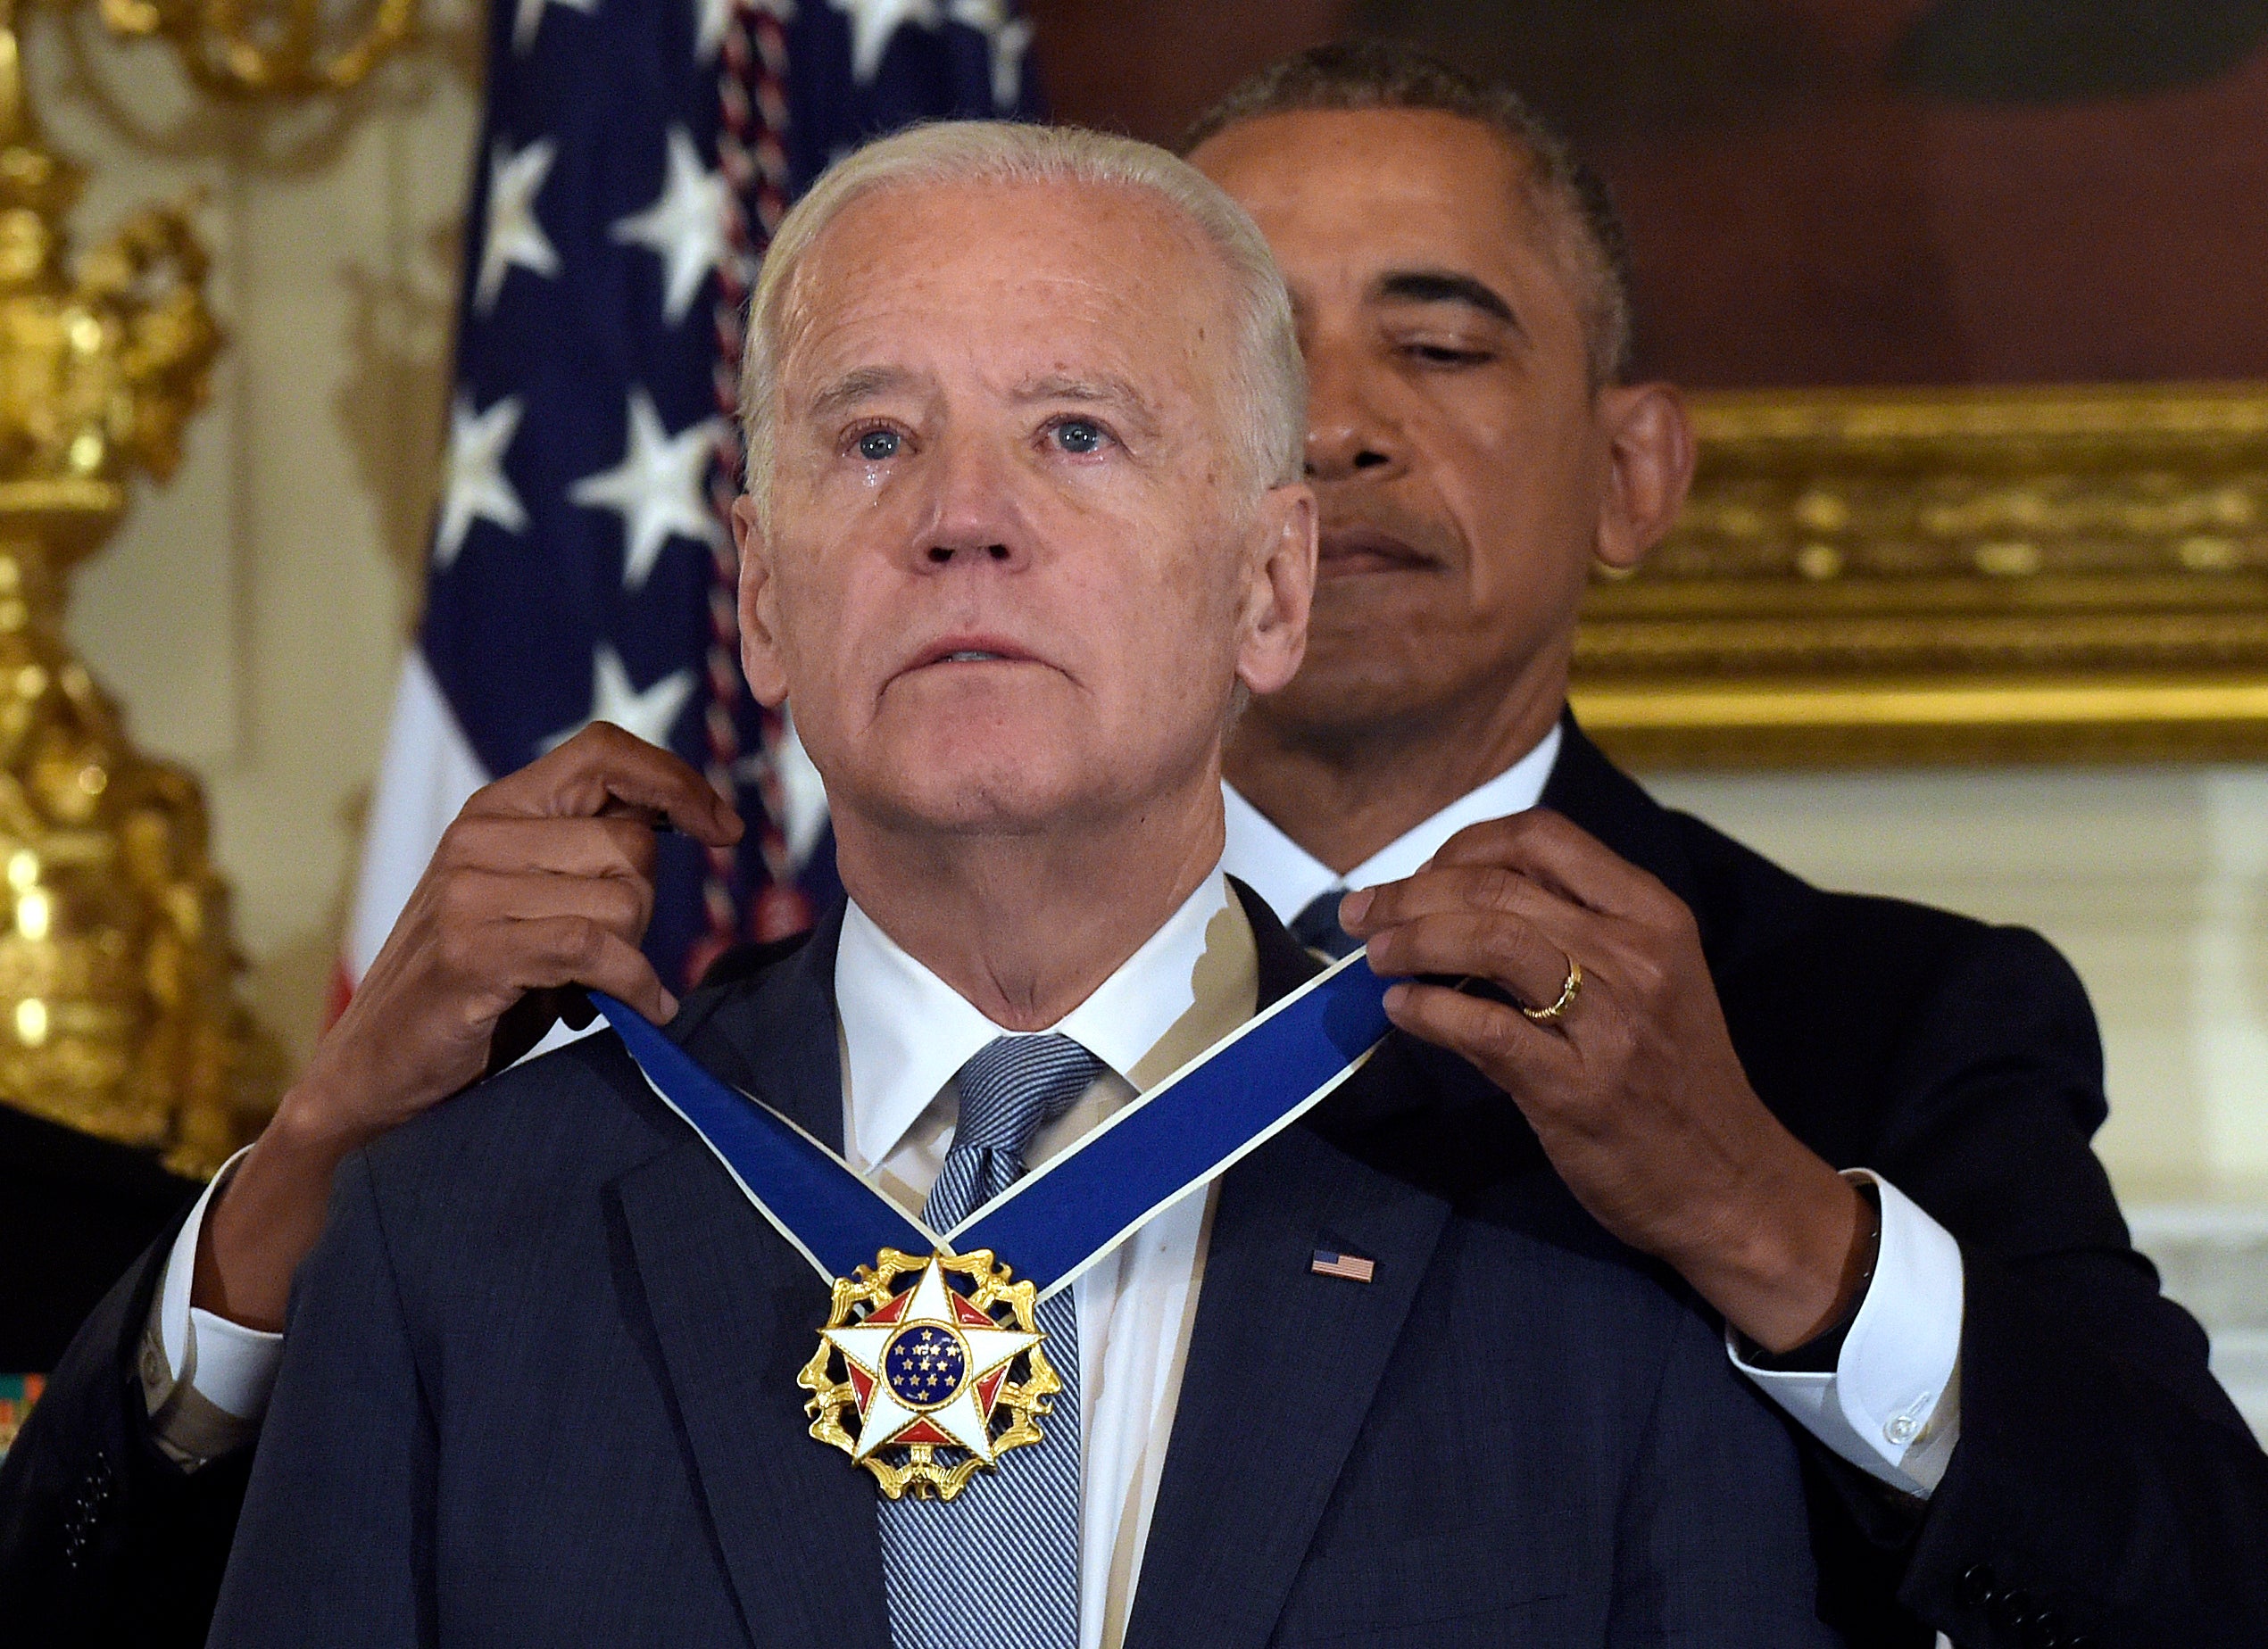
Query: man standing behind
{"points": [[2016, 1440], [1024, 411]]}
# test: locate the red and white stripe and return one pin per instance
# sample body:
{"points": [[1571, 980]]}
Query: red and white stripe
{"points": [[429, 769]]}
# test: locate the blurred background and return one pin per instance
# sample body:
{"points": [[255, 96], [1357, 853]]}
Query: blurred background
{"points": [[1822, 194]]}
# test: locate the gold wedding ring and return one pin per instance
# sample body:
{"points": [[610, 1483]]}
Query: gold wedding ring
{"points": [[1569, 993]]}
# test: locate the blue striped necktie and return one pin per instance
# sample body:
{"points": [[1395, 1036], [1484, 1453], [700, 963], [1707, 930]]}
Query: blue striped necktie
{"points": [[998, 1566]]}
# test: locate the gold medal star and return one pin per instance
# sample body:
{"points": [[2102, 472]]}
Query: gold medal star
{"points": [[931, 1369]]}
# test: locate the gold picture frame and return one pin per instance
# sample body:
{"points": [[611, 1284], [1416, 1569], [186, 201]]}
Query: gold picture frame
{"points": [[1972, 574]]}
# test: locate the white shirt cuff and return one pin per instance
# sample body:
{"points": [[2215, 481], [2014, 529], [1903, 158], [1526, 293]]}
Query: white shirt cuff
{"points": [[230, 1367], [1892, 1405]]}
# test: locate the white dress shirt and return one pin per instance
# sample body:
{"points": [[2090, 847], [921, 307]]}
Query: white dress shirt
{"points": [[905, 1035], [205, 1380], [1290, 878], [1891, 1404]]}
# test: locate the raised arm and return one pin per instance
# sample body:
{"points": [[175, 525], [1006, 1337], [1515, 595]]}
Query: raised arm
{"points": [[2015, 1436], [118, 1499]]}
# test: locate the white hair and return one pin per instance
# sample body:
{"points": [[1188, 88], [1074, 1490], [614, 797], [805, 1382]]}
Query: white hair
{"points": [[1266, 382]]}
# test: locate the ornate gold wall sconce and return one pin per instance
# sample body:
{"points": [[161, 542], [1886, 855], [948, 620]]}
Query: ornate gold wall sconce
{"points": [[284, 47], [117, 1014]]}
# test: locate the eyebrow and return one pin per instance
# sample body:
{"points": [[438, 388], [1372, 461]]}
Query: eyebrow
{"points": [[867, 383], [861, 383], [1443, 287], [1115, 392]]}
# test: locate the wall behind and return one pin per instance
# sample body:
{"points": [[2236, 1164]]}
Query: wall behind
{"points": [[2154, 881], [251, 616]]}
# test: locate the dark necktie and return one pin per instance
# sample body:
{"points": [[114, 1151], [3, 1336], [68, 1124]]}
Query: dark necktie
{"points": [[1317, 926], [998, 1566]]}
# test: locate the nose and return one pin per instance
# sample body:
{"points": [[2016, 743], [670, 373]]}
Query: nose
{"points": [[1349, 433], [973, 517]]}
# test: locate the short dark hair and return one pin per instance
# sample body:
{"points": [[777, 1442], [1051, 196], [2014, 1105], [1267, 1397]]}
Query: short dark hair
{"points": [[1378, 74]]}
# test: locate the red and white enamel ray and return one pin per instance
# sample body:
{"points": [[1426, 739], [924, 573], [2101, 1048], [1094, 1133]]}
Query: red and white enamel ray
{"points": [[966, 1421]]}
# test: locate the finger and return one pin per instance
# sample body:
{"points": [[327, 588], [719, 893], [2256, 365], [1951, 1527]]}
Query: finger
{"points": [[1509, 1050], [619, 847], [1517, 955], [623, 905], [1466, 889], [548, 952], [1549, 848], [603, 764]]}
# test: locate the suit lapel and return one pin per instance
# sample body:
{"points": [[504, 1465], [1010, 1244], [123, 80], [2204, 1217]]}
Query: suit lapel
{"points": [[774, 1034], [733, 1311], [1265, 1424]]}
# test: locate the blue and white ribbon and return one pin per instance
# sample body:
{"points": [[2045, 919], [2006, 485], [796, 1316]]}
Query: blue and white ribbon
{"points": [[1059, 1220]]}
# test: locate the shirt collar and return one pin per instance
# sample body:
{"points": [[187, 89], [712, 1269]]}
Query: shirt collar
{"points": [[906, 1032], [1290, 878]]}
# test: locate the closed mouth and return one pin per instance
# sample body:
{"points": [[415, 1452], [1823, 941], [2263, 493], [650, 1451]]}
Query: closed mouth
{"points": [[1351, 552], [960, 650]]}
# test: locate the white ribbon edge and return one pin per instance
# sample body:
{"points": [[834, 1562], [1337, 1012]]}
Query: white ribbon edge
{"points": [[943, 1244]]}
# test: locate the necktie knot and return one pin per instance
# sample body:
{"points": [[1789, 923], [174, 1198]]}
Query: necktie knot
{"points": [[1015, 1086]]}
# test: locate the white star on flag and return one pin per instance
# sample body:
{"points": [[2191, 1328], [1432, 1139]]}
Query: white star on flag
{"points": [[802, 792], [516, 238], [965, 1418], [474, 487], [646, 715], [1009, 46], [1010, 38], [713, 17], [875, 23], [659, 488], [529, 17], [685, 225]]}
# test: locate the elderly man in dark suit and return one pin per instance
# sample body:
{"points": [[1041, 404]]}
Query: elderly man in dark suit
{"points": [[2009, 1436], [1026, 522]]}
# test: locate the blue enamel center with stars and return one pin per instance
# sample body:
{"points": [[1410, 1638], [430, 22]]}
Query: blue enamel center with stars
{"points": [[924, 1365]]}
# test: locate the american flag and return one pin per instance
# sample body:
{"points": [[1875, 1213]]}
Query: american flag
{"points": [[633, 158], [1353, 1267]]}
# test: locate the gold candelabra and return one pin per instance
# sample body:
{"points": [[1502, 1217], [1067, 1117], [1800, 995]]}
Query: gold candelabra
{"points": [[248, 50], [117, 1013]]}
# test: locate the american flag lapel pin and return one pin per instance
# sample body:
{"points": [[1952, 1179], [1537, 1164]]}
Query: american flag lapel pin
{"points": [[1353, 1267]]}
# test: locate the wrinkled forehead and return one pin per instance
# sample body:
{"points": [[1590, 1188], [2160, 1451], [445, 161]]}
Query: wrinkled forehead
{"points": [[1033, 274]]}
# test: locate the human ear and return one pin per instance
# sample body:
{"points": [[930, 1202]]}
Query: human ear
{"points": [[1280, 589], [759, 650], [1651, 454]]}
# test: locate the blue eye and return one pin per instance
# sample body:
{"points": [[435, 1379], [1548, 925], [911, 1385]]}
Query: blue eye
{"points": [[1077, 434], [878, 444]]}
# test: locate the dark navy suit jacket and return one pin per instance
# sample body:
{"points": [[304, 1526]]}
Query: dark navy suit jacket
{"points": [[539, 1388], [2105, 1491]]}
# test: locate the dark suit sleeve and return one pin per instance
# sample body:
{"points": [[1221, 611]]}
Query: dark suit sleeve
{"points": [[103, 1540], [334, 1543], [1711, 1543], [2104, 1486]]}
